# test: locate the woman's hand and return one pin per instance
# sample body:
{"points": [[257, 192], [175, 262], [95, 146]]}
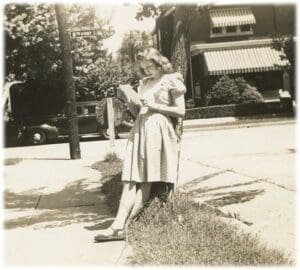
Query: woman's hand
{"points": [[151, 105], [177, 110]]}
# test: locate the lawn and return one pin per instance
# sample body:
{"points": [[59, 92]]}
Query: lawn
{"points": [[181, 232]]}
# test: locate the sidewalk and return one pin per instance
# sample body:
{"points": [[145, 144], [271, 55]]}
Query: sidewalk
{"points": [[54, 206], [252, 179]]}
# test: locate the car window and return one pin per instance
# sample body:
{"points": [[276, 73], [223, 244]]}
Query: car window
{"points": [[86, 109], [79, 110], [91, 109]]}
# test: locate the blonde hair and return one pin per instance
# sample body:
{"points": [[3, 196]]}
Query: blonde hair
{"points": [[151, 54]]}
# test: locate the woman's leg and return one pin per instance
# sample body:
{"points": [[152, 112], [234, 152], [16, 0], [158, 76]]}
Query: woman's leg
{"points": [[126, 203], [142, 197]]}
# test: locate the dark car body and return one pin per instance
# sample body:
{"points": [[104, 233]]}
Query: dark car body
{"points": [[13, 132], [39, 130]]}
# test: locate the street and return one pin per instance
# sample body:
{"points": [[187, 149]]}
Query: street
{"points": [[48, 196]]}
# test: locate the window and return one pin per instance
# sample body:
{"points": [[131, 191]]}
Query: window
{"points": [[216, 30], [231, 29], [236, 30], [245, 28]]}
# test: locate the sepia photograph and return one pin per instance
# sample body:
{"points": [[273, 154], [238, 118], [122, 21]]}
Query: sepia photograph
{"points": [[140, 133]]}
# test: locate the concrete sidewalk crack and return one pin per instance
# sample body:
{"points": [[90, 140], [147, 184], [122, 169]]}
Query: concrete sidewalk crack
{"points": [[38, 201]]}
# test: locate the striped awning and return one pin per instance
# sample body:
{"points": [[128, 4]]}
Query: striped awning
{"points": [[231, 17], [244, 60]]}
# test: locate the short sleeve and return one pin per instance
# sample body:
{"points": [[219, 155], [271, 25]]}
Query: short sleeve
{"points": [[175, 84]]}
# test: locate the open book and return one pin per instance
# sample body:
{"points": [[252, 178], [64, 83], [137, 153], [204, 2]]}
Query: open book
{"points": [[131, 97], [128, 94]]}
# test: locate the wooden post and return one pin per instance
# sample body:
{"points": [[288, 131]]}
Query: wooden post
{"points": [[69, 82], [111, 124], [286, 80]]}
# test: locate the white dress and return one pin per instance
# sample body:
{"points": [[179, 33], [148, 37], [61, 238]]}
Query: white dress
{"points": [[152, 148]]}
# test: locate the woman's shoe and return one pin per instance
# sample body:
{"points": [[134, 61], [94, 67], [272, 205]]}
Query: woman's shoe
{"points": [[116, 235]]}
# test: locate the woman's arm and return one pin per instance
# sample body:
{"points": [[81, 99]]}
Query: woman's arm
{"points": [[177, 110], [128, 95]]}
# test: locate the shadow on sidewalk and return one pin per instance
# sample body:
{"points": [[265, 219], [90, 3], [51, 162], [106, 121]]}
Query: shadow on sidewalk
{"points": [[234, 197], [219, 199], [79, 202]]}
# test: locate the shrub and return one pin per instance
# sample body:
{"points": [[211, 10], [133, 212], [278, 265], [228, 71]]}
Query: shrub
{"points": [[225, 91], [241, 84], [251, 95], [248, 93]]}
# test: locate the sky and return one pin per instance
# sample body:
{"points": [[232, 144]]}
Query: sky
{"points": [[123, 20]]}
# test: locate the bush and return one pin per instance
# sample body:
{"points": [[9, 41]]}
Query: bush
{"points": [[251, 95], [248, 93], [241, 84], [225, 91]]}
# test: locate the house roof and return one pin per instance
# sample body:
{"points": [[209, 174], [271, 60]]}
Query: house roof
{"points": [[231, 17], [243, 60]]}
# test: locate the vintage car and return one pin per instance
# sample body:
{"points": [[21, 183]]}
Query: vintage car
{"points": [[43, 129]]}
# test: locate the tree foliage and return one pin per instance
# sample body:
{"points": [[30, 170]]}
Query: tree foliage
{"points": [[31, 49], [287, 45], [33, 52], [151, 10], [134, 41], [32, 43]]}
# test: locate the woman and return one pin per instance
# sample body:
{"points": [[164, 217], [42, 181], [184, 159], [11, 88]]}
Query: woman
{"points": [[152, 148]]}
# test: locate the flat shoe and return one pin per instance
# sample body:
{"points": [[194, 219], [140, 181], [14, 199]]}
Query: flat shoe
{"points": [[117, 235]]}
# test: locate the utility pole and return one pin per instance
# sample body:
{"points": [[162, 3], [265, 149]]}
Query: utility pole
{"points": [[69, 82]]}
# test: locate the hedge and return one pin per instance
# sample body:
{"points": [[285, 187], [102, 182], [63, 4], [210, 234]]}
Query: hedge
{"points": [[275, 107]]}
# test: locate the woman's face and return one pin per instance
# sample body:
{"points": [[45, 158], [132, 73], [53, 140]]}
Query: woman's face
{"points": [[150, 68]]}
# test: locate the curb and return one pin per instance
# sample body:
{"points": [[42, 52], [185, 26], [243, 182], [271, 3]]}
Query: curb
{"points": [[233, 122]]}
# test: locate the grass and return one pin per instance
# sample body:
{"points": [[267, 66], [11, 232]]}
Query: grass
{"points": [[181, 232], [178, 231]]}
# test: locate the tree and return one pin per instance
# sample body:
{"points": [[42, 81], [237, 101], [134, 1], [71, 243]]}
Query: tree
{"points": [[33, 52], [32, 45], [32, 49], [150, 10], [286, 44], [134, 41]]}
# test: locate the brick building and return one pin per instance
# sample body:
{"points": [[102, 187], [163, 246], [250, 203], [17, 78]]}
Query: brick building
{"points": [[234, 40]]}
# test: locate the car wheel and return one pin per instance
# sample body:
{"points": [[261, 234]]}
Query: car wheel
{"points": [[37, 137], [105, 133]]}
